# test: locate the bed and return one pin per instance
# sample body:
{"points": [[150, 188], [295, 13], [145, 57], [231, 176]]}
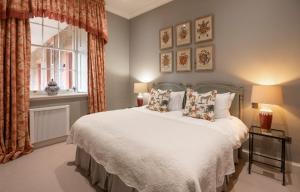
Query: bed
{"points": [[138, 150]]}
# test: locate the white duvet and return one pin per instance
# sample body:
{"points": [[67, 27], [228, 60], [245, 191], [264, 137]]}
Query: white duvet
{"points": [[160, 152], [232, 127]]}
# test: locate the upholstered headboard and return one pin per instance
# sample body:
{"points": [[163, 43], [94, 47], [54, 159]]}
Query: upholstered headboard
{"points": [[171, 86], [237, 103]]}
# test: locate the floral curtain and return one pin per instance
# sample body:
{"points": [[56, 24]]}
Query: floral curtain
{"points": [[15, 61], [14, 88], [96, 82], [87, 14]]}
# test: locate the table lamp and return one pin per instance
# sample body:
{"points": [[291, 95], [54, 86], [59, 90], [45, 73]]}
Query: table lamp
{"points": [[266, 94], [140, 88]]}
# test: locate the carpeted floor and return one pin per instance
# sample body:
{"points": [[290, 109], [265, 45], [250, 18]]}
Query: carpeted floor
{"points": [[50, 169]]}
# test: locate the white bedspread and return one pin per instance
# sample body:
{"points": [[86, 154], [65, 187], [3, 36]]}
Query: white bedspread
{"points": [[156, 152], [232, 127]]}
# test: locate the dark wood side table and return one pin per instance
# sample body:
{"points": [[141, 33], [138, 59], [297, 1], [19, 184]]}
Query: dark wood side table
{"points": [[274, 134]]}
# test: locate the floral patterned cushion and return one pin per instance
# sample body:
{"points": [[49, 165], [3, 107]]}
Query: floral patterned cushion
{"points": [[200, 106], [159, 100]]}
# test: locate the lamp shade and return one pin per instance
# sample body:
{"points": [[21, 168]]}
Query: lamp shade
{"points": [[267, 94], [140, 87]]}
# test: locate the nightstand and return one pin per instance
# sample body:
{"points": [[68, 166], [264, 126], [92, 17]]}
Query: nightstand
{"points": [[274, 134]]}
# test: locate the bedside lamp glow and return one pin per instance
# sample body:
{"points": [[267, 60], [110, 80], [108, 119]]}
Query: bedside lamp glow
{"points": [[140, 88], [266, 94]]}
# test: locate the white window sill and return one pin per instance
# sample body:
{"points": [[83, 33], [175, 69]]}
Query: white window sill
{"points": [[38, 97]]}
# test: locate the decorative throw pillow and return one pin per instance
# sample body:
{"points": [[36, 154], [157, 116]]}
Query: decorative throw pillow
{"points": [[200, 106], [159, 100]]}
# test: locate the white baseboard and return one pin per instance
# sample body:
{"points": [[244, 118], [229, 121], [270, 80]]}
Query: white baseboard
{"points": [[291, 163], [49, 142]]}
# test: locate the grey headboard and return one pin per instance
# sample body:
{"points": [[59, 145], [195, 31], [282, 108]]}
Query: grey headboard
{"points": [[237, 103], [172, 86]]}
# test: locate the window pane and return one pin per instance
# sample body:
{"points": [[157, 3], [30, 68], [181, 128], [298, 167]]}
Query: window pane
{"points": [[66, 71], [45, 78], [51, 59], [66, 60], [82, 60], [63, 25], [36, 57], [82, 73], [50, 37], [66, 40], [36, 65], [35, 79], [38, 20], [51, 74], [39, 79], [51, 23], [36, 34], [82, 81], [66, 80], [82, 40]]}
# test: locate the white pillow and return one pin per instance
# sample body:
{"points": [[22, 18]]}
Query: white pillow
{"points": [[176, 99], [223, 104], [146, 97]]}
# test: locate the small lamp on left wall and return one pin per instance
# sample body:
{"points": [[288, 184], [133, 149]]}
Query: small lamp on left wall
{"points": [[140, 88]]}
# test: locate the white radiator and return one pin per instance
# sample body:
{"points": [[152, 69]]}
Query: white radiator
{"points": [[49, 123]]}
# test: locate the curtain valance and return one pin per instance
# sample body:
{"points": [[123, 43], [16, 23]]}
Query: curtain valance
{"points": [[87, 14]]}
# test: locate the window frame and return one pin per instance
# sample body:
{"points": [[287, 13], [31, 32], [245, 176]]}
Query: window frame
{"points": [[76, 40]]}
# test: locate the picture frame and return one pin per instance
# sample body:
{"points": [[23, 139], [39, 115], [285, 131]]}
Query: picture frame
{"points": [[184, 33], [166, 38], [204, 29], [184, 60], [166, 62], [204, 58]]}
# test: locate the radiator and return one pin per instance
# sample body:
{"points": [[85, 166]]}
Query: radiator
{"points": [[49, 123]]}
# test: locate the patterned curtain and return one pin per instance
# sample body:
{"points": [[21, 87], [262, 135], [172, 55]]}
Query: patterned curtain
{"points": [[14, 88], [87, 14], [15, 61], [96, 80]]}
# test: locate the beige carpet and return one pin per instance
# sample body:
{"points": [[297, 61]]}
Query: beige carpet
{"points": [[48, 170]]}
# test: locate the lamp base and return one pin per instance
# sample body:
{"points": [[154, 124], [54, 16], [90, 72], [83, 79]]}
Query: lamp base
{"points": [[140, 102], [265, 118]]}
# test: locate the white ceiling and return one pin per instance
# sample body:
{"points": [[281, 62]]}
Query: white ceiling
{"points": [[133, 8]]}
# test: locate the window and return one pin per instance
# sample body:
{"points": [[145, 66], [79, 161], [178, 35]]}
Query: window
{"points": [[58, 52]]}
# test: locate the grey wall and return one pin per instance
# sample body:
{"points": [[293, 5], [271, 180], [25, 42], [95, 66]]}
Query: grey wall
{"points": [[256, 42], [116, 70], [117, 63]]}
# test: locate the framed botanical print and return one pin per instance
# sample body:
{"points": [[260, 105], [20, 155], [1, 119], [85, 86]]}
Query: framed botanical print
{"points": [[166, 38], [166, 62], [204, 58], [204, 29], [183, 34], [184, 60]]}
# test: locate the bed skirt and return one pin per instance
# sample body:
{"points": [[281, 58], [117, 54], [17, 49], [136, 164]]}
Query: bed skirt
{"points": [[98, 176], [101, 179]]}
